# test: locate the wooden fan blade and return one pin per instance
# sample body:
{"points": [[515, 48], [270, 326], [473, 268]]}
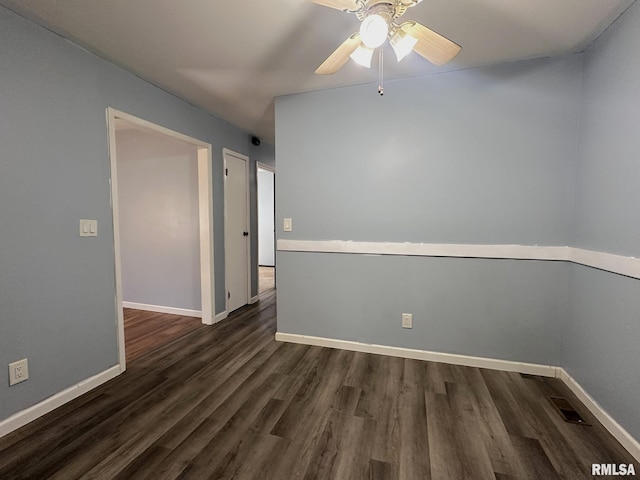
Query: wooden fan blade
{"points": [[340, 56], [431, 45], [337, 4]]}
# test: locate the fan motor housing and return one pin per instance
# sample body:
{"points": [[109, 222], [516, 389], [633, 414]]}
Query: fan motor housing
{"points": [[382, 7]]}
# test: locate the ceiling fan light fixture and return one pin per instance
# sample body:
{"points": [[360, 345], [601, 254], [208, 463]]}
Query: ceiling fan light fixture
{"points": [[379, 23], [402, 43], [363, 55], [374, 30]]}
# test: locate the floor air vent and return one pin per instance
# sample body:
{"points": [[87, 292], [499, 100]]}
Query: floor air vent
{"points": [[567, 412]]}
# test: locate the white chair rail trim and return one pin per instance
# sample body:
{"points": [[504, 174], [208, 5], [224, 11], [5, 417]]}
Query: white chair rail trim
{"points": [[623, 265]]}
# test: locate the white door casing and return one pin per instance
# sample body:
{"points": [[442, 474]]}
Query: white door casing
{"points": [[205, 207]]}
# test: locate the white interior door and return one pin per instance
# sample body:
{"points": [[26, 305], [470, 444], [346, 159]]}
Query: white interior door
{"points": [[236, 228]]}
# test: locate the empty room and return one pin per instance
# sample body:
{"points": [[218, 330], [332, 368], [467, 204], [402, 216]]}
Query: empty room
{"points": [[456, 252]]}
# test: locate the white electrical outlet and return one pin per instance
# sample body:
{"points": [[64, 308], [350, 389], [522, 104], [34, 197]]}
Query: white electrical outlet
{"points": [[407, 320], [18, 371], [287, 225]]}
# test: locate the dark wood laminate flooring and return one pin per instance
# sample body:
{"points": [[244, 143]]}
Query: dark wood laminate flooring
{"points": [[145, 331], [228, 402]]}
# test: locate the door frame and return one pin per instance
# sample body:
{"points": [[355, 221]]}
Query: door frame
{"points": [[227, 152], [205, 209], [268, 168]]}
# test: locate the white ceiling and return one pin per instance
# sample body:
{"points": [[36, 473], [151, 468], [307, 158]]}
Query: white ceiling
{"points": [[232, 58]]}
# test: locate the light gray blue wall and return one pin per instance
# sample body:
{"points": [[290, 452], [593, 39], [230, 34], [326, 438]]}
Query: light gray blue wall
{"points": [[600, 343], [506, 309], [57, 289], [477, 156], [480, 156], [159, 220], [602, 340], [608, 194], [263, 153]]}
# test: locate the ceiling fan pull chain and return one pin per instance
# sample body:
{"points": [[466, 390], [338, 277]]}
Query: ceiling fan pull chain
{"points": [[381, 79]]}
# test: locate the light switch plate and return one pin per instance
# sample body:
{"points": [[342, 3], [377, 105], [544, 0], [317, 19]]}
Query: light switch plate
{"points": [[287, 225], [88, 228]]}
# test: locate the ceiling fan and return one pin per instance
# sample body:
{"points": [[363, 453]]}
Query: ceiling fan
{"points": [[378, 19]]}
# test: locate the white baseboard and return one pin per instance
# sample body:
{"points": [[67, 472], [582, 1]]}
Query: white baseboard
{"points": [[162, 309], [221, 316], [624, 437], [36, 411], [480, 362], [253, 300]]}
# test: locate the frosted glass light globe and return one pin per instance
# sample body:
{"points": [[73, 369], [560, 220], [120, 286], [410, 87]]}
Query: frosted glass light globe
{"points": [[402, 43], [374, 31]]}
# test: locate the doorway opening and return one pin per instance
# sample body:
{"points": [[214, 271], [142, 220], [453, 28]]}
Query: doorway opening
{"points": [[159, 228], [265, 175]]}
